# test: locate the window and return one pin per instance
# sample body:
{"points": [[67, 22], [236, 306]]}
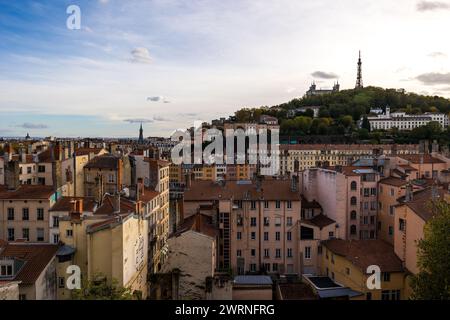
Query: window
{"points": [[266, 236], [25, 214], [40, 234], [266, 221], [111, 178], [307, 252], [386, 276], [289, 252], [253, 267], [289, 221], [26, 234], [353, 215], [289, 236], [392, 192], [366, 192], [253, 252], [275, 267], [239, 221], [277, 236], [289, 204], [41, 169], [277, 222], [253, 205], [22, 297], [11, 234], [238, 235], [253, 235], [266, 253], [353, 201], [40, 213], [28, 170], [6, 270], [69, 233], [266, 204], [278, 204], [253, 222], [277, 253], [331, 234], [391, 231], [390, 295], [402, 224], [10, 214], [391, 210], [55, 221], [56, 238], [61, 282], [353, 230], [353, 186], [306, 233]]}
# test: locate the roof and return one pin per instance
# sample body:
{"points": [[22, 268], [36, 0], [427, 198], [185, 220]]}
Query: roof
{"points": [[159, 162], [199, 223], [421, 158], [296, 291], [393, 181], [28, 158], [306, 204], [421, 202], [149, 195], [107, 207], [35, 257], [269, 190], [363, 253], [105, 161], [65, 204], [26, 192], [321, 221], [325, 287], [253, 280], [86, 151]]}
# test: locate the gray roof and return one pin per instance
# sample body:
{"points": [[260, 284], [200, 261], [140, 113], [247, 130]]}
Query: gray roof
{"points": [[253, 280], [338, 292]]}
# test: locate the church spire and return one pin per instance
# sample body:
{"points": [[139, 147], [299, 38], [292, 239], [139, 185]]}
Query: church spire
{"points": [[141, 135], [359, 81]]}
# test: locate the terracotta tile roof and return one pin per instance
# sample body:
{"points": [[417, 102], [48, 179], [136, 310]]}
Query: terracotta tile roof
{"points": [[422, 203], [3, 244], [421, 158], [25, 192], [45, 156], [107, 207], [407, 167], [149, 195], [363, 253], [321, 221], [105, 161], [200, 223], [159, 162], [86, 151], [306, 204], [269, 190], [393, 181], [35, 258], [65, 204], [17, 157]]}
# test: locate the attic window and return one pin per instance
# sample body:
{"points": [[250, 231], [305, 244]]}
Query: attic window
{"points": [[6, 269]]}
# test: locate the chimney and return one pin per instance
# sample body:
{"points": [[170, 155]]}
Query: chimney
{"points": [[198, 222], [409, 193], [73, 206], [79, 206], [12, 179], [58, 152], [23, 156], [116, 203]]}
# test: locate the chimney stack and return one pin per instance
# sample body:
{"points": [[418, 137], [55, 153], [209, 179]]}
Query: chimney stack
{"points": [[409, 192], [116, 203], [12, 179]]}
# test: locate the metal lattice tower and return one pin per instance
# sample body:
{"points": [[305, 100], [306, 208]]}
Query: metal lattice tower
{"points": [[359, 81]]}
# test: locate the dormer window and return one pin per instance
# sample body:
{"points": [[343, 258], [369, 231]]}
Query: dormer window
{"points": [[6, 269]]}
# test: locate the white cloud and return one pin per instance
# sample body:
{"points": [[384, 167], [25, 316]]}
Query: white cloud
{"points": [[141, 55]]}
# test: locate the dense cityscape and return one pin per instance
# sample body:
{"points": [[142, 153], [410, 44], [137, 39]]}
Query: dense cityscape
{"points": [[139, 226]]}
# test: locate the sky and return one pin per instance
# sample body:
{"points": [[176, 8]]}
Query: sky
{"points": [[168, 63]]}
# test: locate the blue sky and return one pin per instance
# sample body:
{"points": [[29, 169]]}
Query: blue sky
{"points": [[202, 59]]}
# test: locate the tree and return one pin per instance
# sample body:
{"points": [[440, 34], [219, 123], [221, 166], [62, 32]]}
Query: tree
{"points": [[365, 124], [433, 280], [100, 289]]}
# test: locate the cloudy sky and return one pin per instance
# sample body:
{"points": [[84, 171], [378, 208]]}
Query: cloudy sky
{"points": [[166, 63]]}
